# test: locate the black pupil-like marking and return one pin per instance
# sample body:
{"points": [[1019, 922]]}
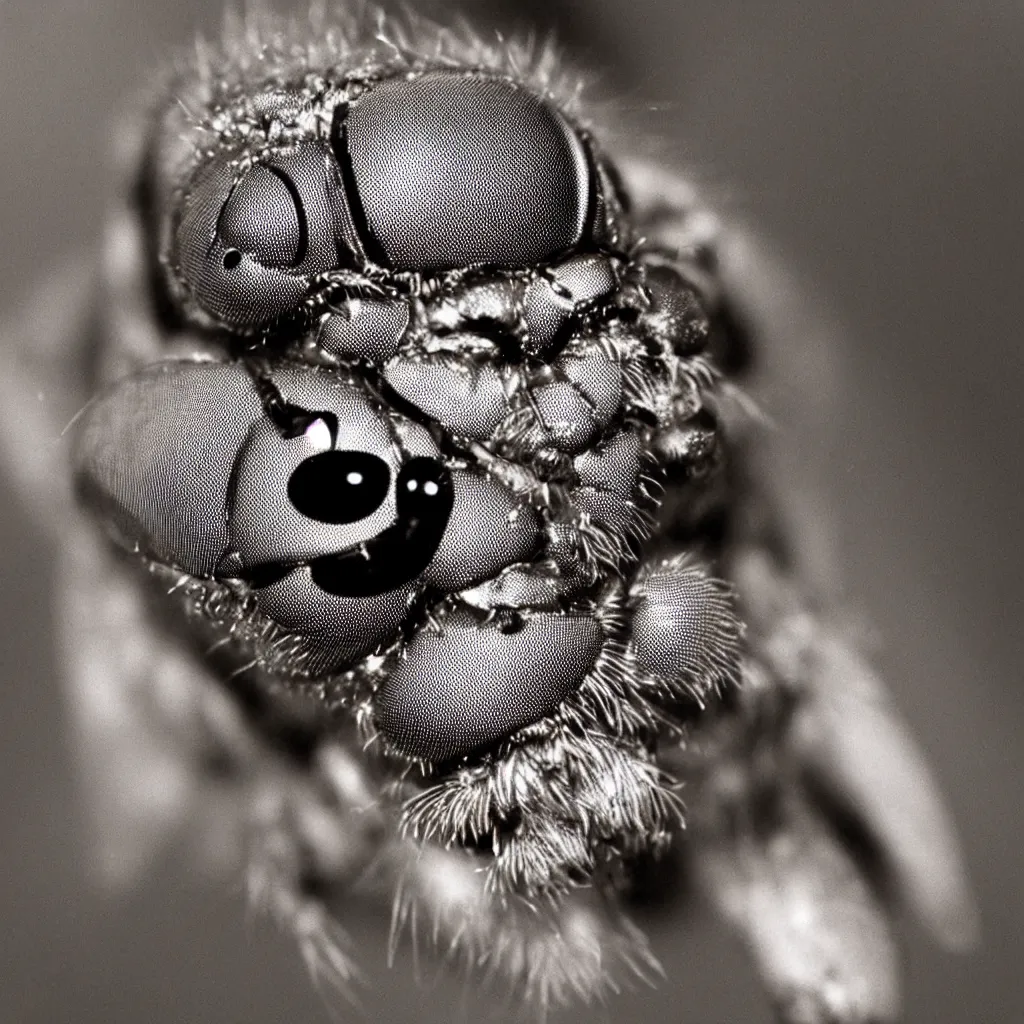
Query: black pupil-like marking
{"points": [[424, 497], [339, 487]]}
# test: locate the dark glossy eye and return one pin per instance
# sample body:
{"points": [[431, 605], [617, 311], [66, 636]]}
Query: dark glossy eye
{"points": [[339, 487], [263, 217], [453, 169], [424, 486], [423, 505]]}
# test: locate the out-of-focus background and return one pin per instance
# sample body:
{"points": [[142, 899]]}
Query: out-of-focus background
{"points": [[880, 148]]}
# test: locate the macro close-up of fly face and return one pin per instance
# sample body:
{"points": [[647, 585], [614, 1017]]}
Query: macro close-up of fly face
{"points": [[401, 474], [420, 548]]}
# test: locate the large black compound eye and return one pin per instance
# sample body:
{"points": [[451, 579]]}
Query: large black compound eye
{"points": [[263, 217], [452, 169], [339, 487]]}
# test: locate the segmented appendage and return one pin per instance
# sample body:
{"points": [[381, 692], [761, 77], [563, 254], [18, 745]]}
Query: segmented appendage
{"points": [[442, 515]]}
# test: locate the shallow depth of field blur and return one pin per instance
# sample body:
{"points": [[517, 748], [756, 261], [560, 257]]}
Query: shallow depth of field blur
{"points": [[880, 147]]}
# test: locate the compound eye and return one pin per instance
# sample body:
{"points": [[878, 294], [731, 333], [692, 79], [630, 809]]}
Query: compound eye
{"points": [[339, 487], [263, 217], [248, 244], [453, 169], [229, 280]]}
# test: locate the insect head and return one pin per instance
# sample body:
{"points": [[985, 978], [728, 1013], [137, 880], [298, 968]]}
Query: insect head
{"points": [[398, 446]]}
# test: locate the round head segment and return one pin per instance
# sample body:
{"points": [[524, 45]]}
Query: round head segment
{"points": [[455, 168]]}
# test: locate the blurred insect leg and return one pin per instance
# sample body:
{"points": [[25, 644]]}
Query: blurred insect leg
{"points": [[846, 729], [851, 737], [853, 744], [819, 934], [813, 753], [840, 734], [44, 385], [777, 868], [312, 842], [159, 744]]}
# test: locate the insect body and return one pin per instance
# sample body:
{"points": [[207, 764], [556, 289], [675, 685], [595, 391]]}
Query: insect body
{"points": [[436, 448], [418, 426]]}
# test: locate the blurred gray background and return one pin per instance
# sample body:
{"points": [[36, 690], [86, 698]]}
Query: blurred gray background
{"points": [[881, 148]]}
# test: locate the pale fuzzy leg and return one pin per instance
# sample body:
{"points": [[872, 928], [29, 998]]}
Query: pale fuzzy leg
{"points": [[847, 733], [796, 891], [161, 750], [821, 939], [850, 737], [847, 724], [811, 744], [850, 734], [314, 836], [776, 867]]}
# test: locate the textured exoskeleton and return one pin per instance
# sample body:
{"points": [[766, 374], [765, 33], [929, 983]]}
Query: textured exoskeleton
{"points": [[331, 186], [412, 411], [441, 453]]}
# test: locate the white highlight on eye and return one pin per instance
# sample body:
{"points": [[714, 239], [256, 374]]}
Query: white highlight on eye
{"points": [[411, 485], [430, 488], [354, 478], [318, 434]]}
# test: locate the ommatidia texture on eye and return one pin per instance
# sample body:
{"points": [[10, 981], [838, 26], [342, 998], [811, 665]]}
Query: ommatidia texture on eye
{"points": [[418, 173], [425, 461]]}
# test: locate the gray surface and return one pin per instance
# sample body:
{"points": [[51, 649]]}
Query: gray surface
{"points": [[881, 146]]}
